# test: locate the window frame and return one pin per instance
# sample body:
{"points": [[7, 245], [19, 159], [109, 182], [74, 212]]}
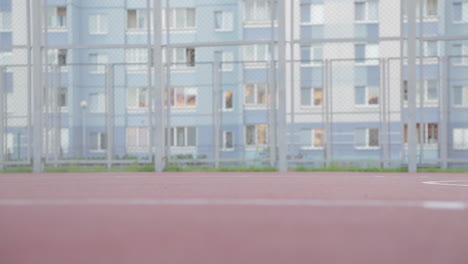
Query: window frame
{"points": [[366, 98], [426, 142], [6, 16], [255, 104], [464, 136], [312, 97], [137, 104], [173, 19], [225, 98], [174, 140], [139, 148], [224, 21], [102, 24], [224, 147], [311, 7], [366, 12], [368, 139], [312, 61], [256, 136], [313, 132], [257, 21], [186, 106], [56, 17], [101, 138], [100, 65]]}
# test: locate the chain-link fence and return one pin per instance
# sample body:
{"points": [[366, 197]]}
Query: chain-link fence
{"points": [[252, 83]]}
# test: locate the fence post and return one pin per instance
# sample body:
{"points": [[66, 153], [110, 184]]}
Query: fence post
{"points": [[159, 135], [444, 113], [110, 113], [412, 133], [2, 117], [37, 84], [282, 123], [56, 109], [217, 95]]}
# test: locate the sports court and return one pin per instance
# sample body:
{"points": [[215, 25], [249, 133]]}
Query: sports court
{"points": [[210, 218]]}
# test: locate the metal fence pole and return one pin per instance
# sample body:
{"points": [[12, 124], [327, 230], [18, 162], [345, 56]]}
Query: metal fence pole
{"points": [[37, 84], [282, 124], [110, 113], [2, 117], [56, 110], [412, 132], [217, 95], [149, 87], [159, 134], [444, 116]]}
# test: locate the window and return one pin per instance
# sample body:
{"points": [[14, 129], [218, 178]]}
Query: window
{"points": [[366, 95], [98, 24], [460, 138], [224, 21], [6, 58], [257, 12], [10, 143], [227, 61], [183, 58], [431, 48], [137, 19], [98, 141], [228, 141], [430, 8], [228, 104], [137, 98], [256, 135], [182, 19], [98, 63], [5, 22], [57, 17], [255, 94], [183, 137], [57, 57], [138, 60], [312, 55], [427, 132], [97, 103], [63, 98], [183, 97], [312, 14], [366, 11], [311, 96], [460, 52], [430, 91], [256, 55], [137, 139], [312, 138], [460, 96], [366, 138], [460, 12], [367, 53]]}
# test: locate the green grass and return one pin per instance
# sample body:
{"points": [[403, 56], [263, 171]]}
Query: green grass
{"points": [[334, 168], [226, 169]]}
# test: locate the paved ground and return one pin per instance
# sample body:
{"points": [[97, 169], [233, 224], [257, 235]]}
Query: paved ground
{"points": [[224, 218]]}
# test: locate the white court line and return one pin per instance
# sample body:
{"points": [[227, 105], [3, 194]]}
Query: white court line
{"points": [[434, 205], [448, 183]]}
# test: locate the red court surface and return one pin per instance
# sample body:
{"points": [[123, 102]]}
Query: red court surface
{"points": [[224, 218]]}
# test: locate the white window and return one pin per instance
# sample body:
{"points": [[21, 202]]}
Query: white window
{"points": [[137, 98], [57, 17], [428, 133], [63, 140], [183, 137], [312, 14], [98, 63], [98, 24], [228, 102], [460, 96], [367, 53], [6, 58], [312, 139], [224, 21], [460, 53], [5, 22], [57, 57], [183, 97], [97, 103], [228, 141], [460, 12], [257, 12], [255, 94], [366, 95], [137, 60], [311, 96], [137, 139], [366, 11], [460, 138], [256, 56], [137, 19], [183, 58], [256, 135], [63, 99], [366, 138], [10, 144], [430, 91], [227, 61], [431, 48], [311, 55], [182, 19], [430, 8], [98, 141]]}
